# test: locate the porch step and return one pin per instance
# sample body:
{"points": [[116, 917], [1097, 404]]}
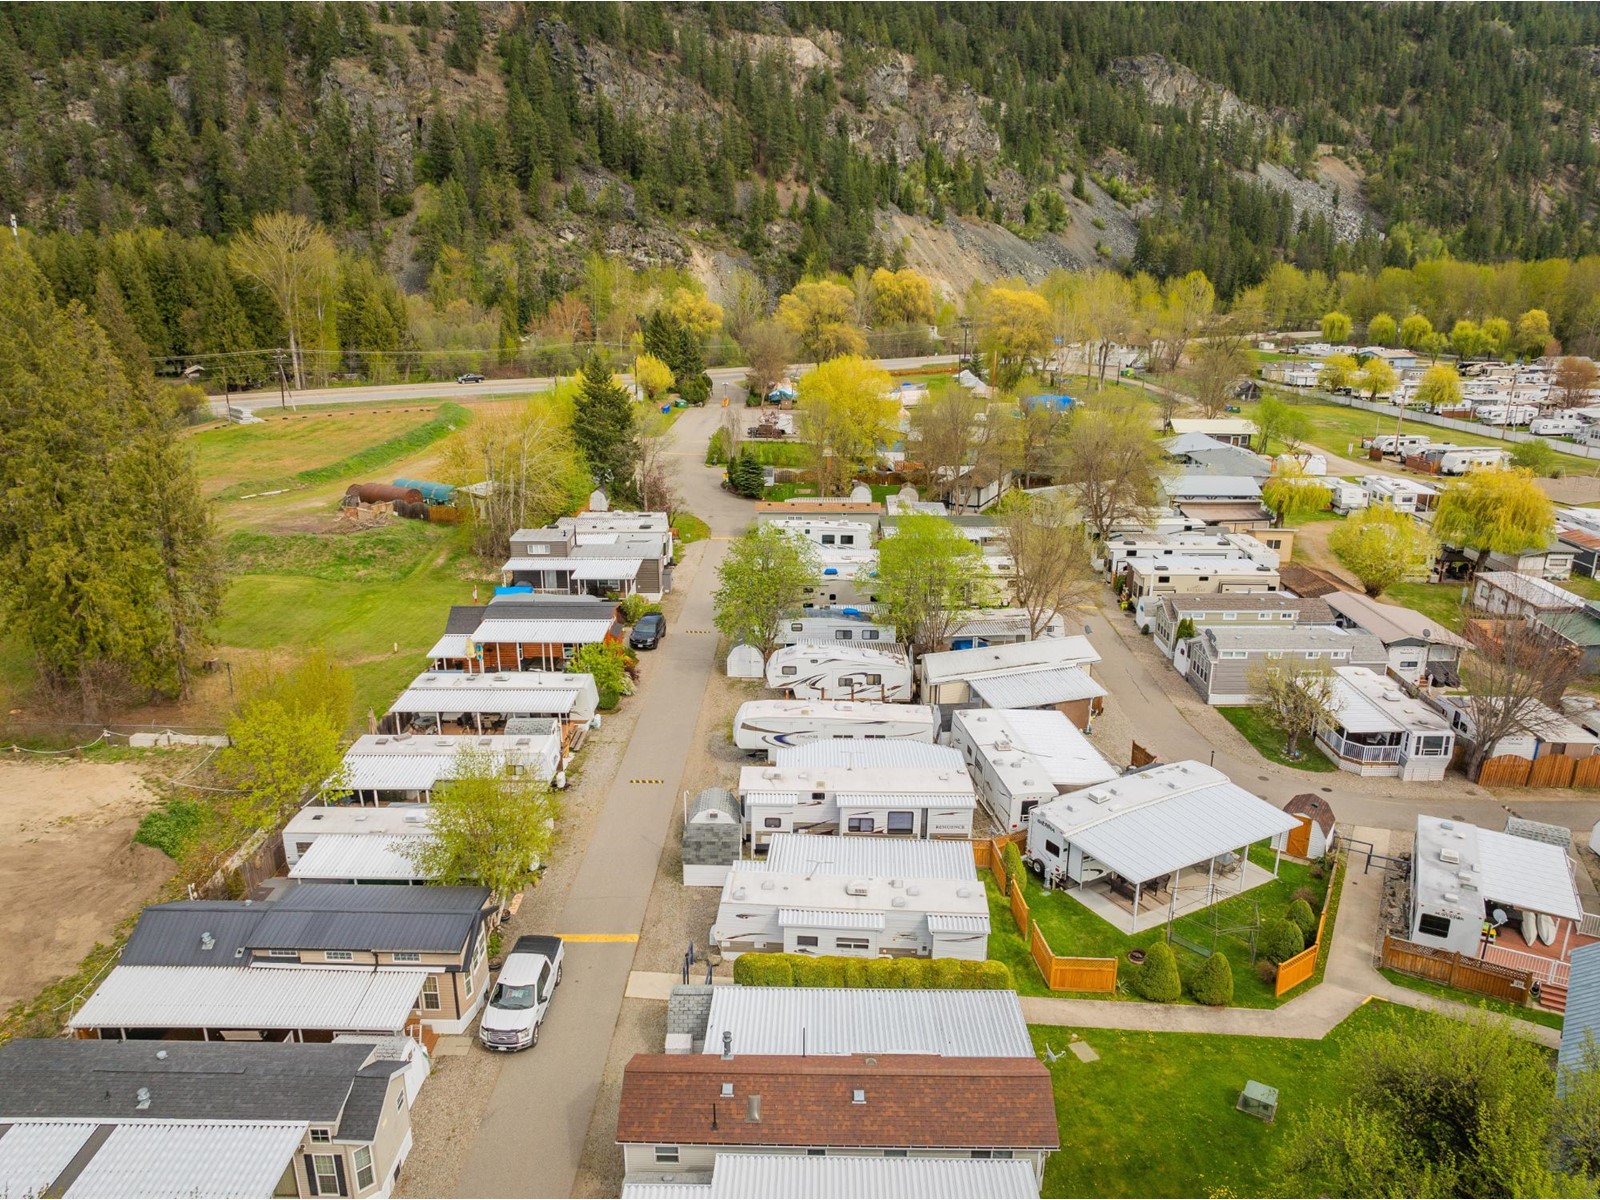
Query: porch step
{"points": [[1553, 996]]}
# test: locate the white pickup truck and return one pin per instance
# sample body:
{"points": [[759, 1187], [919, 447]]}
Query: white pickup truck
{"points": [[522, 994]]}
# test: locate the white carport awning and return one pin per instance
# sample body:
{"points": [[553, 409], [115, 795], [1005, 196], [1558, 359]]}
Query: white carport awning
{"points": [[1192, 827]]}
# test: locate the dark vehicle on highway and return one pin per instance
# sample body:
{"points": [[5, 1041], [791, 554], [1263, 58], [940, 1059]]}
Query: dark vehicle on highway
{"points": [[469, 377]]}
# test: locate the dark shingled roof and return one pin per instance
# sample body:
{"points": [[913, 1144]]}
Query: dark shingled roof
{"points": [[364, 1107], [912, 1100], [464, 619], [309, 916], [219, 1081]]}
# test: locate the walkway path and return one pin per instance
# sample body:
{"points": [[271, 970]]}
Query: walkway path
{"points": [[1350, 981], [531, 1137]]}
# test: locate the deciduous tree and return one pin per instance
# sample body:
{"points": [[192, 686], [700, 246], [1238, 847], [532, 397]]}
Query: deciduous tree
{"points": [[902, 297], [1293, 495], [1495, 510], [1216, 367], [1045, 540], [1382, 330], [1335, 328], [1439, 388], [763, 581], [844, 415], [1338, 371], [1513, 678], [1533, 332], [1110, 465], [1275, 417], [652, 375], [1574, 379], [1415, 330], [1466, 339], [1382, 546], [1376, 377], [769, 348], [1298, 698], [698, 313], [928, 575], [1014, 332], [294, 260], [820, 314]]}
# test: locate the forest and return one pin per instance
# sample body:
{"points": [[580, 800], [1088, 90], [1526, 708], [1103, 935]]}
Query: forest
{"points": [[469, 163]]}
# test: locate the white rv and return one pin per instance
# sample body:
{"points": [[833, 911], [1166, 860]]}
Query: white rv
{"points": [[818, 630], [1348, 496], [1462, 459], [763, 725], [840, 672], [1563, 425], [1400, 445]]}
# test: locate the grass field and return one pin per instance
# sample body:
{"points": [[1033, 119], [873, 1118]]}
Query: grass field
{"points": [[1440, 602], [1262, 733], [1071, 929], [1155, 1116], [1427, 987]]}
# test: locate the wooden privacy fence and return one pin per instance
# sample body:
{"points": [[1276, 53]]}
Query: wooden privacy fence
{"points": [[1019, 907], [1071, 974], [1456, 970], [1550, 771], [1292, 972], [990, 853]]}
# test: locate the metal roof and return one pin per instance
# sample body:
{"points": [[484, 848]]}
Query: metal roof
{"points": [[215, 1159], [1512, 870], [1033, 749], [68, 1078], [367, 856], [485, 696], [530, 632], [905, 799], [1391, 623], [252, 998], [394, 772], [1030, 689], [1583, 1008], [799, 854], [1366, 702], [803, 1177], [1532, 590], [821, 918], [1153, 822], [34, 1153], [1015, 657], [1212, 487], [452, 645], [781, 1020], [863, 753], [956, 923]]}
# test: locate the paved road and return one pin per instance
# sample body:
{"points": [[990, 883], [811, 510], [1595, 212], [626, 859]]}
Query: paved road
{"points": [[533, 1128], [401, 392]]}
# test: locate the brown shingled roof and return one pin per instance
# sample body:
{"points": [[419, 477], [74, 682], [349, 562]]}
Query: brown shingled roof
{"points": [[1309, 804], [911, 1100], [1310, 581]]}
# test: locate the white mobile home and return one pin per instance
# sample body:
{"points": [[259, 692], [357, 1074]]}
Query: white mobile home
{"points": [[1402, 444], [1461, 459], [1379, 730], [882, 802], [1021, 758], [822, 630], [1562, 425], [846, 578], [406, 768], [316, 823], [947, 676], [450, 702], [855, 897], [840, 672], [764, 725], [1348, 495], [827, 531], [1406, 495]]}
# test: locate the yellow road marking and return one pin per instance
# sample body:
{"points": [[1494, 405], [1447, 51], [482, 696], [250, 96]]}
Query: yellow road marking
{"points": [[598, 937]]}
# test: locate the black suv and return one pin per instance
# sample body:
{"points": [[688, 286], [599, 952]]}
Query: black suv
{"points": [[649, 632]]}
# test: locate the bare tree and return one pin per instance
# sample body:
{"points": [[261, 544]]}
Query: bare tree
{"points": [[295, 261], [1574, 379], [527, 466], [1513, 677], [1110, 465], [1298, 699], [1044, 538], [657, 478], [769, 347]]}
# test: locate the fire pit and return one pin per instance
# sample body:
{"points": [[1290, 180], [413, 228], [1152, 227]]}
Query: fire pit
{"points": [[1136, 956]]}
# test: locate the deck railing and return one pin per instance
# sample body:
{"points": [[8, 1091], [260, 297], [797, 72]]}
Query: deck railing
{"points": [[1545, 970]]}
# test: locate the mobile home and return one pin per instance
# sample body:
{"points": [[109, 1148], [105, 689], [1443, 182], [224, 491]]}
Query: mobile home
{"points": [[1562, 425], [840, 672], [764, 725]]}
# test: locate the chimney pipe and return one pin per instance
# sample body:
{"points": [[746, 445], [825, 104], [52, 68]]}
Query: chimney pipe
{"points": [[727, 1044]]}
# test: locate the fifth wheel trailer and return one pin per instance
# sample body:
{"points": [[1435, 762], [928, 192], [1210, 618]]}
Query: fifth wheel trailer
{"points": [[763, 725], [809, 672]]}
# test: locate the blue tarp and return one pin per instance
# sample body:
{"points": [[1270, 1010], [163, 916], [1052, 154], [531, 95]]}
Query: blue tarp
{"points": [[1048, 400], [433, 493]]}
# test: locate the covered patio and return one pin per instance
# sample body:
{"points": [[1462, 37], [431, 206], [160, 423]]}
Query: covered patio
{"points": [[1188, 889]]}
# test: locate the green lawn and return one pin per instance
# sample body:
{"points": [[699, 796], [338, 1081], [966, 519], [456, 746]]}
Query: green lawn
{"points": [[1440, 602], [1155, 1115], [1071, 929], [688, 529], [1264, 734], [793, 455], [1522, 1012], [1583, 585]]}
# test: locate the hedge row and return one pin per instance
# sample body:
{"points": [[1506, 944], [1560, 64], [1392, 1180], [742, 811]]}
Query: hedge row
{"points": [[838, 971]]}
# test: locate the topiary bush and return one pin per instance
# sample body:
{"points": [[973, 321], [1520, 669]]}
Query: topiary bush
{"points": [[1213, 983], [764, 970], [817, 972], [1158, 975], [1280, 940], [1012, 857], [1302, 915]]}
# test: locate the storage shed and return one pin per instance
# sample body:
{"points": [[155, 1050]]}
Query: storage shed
{"points": [[1318, 835], [713, 836]]}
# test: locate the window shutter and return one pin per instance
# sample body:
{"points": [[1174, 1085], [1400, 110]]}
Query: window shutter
{"points": [[338, 1170], [311, 1177]]}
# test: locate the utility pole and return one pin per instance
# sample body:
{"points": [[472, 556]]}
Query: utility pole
{"points": [[966, 332], [279, 357]]}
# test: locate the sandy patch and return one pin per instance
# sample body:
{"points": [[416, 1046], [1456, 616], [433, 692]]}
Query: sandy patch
{"points": [[69, 871]]}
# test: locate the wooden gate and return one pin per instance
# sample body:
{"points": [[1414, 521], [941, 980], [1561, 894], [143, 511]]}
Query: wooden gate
{"points": [[1553, 770], [1299, 844]]}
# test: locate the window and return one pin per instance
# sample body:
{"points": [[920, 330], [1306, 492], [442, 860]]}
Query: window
{"points": [[874, 680], [1274, 653], [850, 943], [338, 955], [847, 539], [400, 1099], [894, 1153], [843, 635], [406, 956], [1286, 616], [1434, 926], [790, 671], [1052, 849], [666, 1154], [1338, 655], [772, 822], [1229, 616], [1313, 655], [816, 1152], [364, 1172], [982, 1154], [829, 539], [902, 822], [430, 994], [1163, 578], [869, 635], [858, 1096], [806, 939], [1430, 745], [322, 1136], [727, 1091], [861, 825], [283, 954], [327, 1175], [847, 681]]}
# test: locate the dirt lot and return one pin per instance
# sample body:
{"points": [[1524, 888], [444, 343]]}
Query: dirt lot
{"points": [[69, 871]]}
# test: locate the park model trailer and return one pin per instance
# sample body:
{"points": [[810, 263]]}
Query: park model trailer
{"points": [[1564, 425], [840, 672], [763, 725], [1399, 445]]}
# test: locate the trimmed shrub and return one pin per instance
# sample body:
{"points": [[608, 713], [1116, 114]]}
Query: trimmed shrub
{"points": [[879, 973], [1302, 915], [1266, 970], [943, 973], [995, 976], [1279, 940], [1158, 976], [635, 606], [764, 970], [908, 973], [1012, 857], [971, 973], [855, 972], [817, 972], [1213, 983]]}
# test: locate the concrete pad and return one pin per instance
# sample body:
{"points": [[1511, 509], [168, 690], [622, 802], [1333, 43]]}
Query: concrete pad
{"points": [[1084, 1052], [658, 985], [452, 1045]]}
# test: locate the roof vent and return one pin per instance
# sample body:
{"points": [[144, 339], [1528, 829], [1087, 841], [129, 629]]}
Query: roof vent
{"points": [[913, 890], [1452, 897], [964, 892], [1446, 854], [898, 902], [752, 1108], [897, 883], [739, 893], [768, 885], [207, 942], [142, 1098], [161, 1056], [727, 1043], [856, 887]]}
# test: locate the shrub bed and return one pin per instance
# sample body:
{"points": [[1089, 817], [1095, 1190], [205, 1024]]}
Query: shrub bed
{"points": [[839, 971]]}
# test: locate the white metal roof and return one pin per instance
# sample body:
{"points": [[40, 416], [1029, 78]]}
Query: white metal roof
{"points": [[607, 568], [393, 772], [912, 800], [1037, 749], [957, 923], [1531, 589], [799, 853], [537, 692], [823, 918], [952, 782], [218, 1160], [369, 856], [1367, 702], [1016, 657], [807, 1177], [34, 1153], [451, 645], [318, 820], [1583, 1007], [1502, 867], [1153, 822], [869, 752], [956, 1024], [1029, 689], [252, 998], [1224, 426], [537, 632], [1213, 487], [756, 887]]}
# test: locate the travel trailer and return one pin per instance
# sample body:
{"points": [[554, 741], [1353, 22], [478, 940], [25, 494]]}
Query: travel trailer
{"points": [[1564, 425], [763, 725], [840, 672], [849, 626]]}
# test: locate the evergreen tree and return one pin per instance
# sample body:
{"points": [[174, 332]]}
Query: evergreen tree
{"points": [[604, 432]]}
